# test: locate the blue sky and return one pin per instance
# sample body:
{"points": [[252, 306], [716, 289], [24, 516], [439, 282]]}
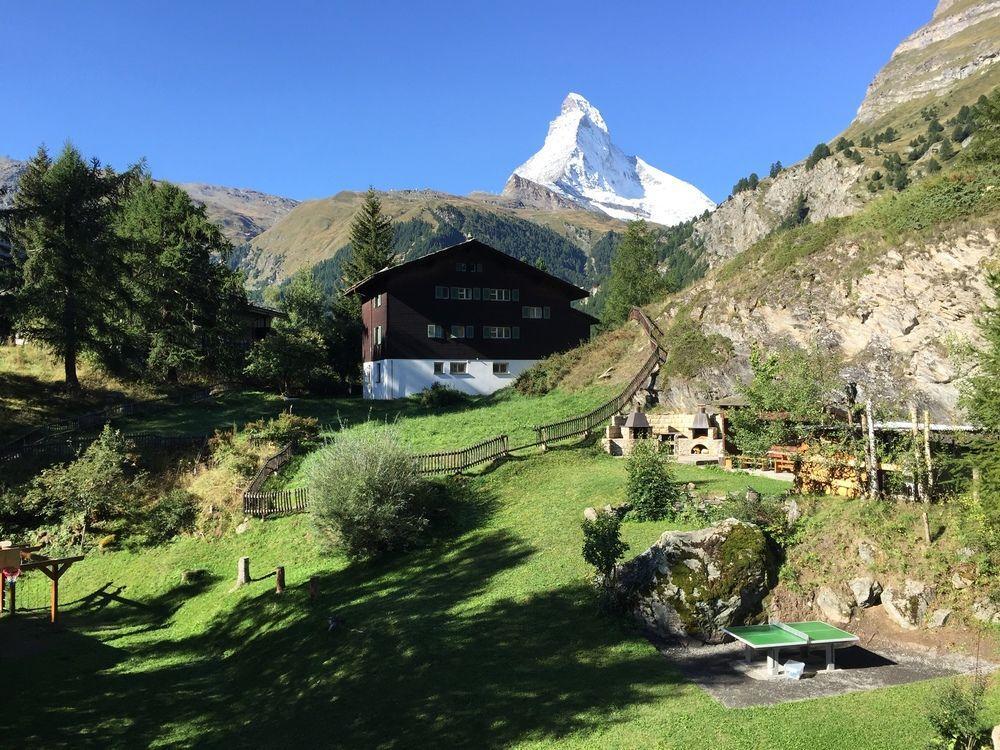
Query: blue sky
{"points": [[308, 98]]}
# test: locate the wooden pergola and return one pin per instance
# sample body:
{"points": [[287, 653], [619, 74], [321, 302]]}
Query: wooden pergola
{"points": [[53, 568]]}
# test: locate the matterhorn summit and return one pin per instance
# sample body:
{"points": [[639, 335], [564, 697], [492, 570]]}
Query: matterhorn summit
{"points": [[578, 164]]}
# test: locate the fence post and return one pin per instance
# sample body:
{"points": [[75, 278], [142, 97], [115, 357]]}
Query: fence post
{"points": [[313, 588], [279, 579], [243, 571]]}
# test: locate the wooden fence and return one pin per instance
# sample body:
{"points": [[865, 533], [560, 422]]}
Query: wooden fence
{"points": [[585, 423], [450, 462], [64, 429], [263, 504], [270, 468], [70, 447]]}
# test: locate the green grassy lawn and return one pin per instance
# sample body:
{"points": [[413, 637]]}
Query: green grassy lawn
{"points": [[486, 635]]}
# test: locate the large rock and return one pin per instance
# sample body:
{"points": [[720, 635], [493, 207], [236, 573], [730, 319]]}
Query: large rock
{"points": [[832, 606], [986, 611], [866, 590], [695, 583], [907, 607]]}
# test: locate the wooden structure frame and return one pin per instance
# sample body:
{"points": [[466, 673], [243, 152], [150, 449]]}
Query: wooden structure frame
{"points": [[53, 568]]}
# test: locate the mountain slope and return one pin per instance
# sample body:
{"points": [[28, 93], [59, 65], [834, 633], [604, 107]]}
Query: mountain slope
{"points": [[579, 163], [317, 231]]}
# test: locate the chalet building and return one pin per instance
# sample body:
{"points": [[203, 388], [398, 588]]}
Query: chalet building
{"points": [[468, 317]]}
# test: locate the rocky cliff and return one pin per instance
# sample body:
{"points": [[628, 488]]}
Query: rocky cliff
{"points": [[962, 41], [831, 188]]}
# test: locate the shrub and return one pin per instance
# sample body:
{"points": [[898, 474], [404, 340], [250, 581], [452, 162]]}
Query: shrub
{"points": [[603, 548], [283, 429], [95, 487], [440, 396], [366, 493], [956, 716], [232, 453], [650, 487], [169, 516], [766, 511], [546, 374]]}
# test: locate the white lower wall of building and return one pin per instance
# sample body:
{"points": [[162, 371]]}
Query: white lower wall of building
{"points": [[398, 378]]}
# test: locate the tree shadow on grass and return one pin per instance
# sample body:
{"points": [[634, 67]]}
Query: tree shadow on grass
{"points": [[447, 645]]}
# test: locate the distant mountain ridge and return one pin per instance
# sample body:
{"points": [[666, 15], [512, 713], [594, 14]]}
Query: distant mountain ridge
{"points": [[579, 163]]}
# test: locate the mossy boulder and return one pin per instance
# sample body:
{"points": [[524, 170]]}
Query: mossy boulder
{"points": [[694, 583]]}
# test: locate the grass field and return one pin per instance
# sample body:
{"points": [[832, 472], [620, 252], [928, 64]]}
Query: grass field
{"points": [[487, 635]]}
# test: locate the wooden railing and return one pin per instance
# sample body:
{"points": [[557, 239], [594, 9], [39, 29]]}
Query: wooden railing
{"points": [[263, 504], [270, 468], [653, 331], [451, 462], [593, 419]]}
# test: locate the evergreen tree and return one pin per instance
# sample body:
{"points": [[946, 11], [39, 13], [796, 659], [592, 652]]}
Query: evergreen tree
{"points": [[818, 154], [73, 294], [296, 354], [776, 169], [985, 146], [933, 166], [634, 280], [946, 151], [185, 298], [370, 241]]}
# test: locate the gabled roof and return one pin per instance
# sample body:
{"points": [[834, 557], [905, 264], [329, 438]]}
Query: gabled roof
{"points": [[572, 290]]}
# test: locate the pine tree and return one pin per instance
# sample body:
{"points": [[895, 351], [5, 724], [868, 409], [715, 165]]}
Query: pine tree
{"points": [[185, 300], [634, 280], [946, 151], [933, 165], [776, 169], [371, 241], [73, 294]]}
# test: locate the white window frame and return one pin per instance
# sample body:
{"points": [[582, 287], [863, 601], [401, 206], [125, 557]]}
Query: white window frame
{"points": [[529, 312], [378, 300], [439, 368], [458, 368], [464, 331], [501, 368], [463, 293], [435, 331], [378, 335]]}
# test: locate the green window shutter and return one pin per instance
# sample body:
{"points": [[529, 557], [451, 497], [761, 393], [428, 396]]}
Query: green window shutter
{"points": [[515, 332], [477, 293], [546, 312], [515, 295]]}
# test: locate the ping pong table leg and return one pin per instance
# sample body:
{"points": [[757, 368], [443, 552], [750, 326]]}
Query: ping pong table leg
{"points": [[748, 654], [829, 658], [772, 661]]}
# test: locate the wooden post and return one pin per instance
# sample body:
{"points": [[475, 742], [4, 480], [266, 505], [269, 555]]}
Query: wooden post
{"points": [[874, 490], [243, 571], [54, 605], [279, 580], [313, 588], [927, 455], [12, 586], [914, 439]]}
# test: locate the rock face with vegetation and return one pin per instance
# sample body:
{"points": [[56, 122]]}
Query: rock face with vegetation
{"points": [[961, 43], [694, 583]]}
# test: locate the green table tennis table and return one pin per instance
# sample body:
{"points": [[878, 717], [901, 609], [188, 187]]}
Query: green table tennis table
{"points": [[799, 635]]}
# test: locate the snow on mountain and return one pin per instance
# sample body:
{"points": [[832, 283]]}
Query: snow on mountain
{"points": [[579, 162]]}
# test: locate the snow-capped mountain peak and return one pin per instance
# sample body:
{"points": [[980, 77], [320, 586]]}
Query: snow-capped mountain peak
{"points": [[579, 162]]}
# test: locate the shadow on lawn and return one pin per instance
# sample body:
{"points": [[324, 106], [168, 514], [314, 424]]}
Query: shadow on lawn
{"points": [[428, 651]]}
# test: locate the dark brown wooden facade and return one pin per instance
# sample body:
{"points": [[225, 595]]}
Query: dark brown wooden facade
{"points": [[469, 301]]}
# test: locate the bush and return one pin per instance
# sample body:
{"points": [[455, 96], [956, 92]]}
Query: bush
{"points": [[95, 487], [232, 453], [956, 716], [766, 511], [283, 429], [366, 493], [440, 396], [172, 514], [545, 375], [603, 548], [650, 487]]}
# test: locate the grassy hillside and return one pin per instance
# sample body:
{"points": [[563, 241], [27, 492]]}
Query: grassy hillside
{"points": [[488, 635]]}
